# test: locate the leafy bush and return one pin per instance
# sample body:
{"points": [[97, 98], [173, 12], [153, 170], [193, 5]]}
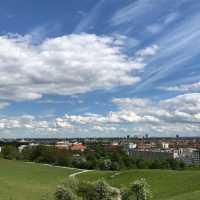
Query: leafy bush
{"points": [[73, 190], [141, 189]]}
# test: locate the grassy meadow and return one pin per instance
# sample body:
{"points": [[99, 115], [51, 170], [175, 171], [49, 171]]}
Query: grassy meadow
{"points": [[165, 184], [29, 181]]}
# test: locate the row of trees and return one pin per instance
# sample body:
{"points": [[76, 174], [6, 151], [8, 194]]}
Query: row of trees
{"points": [[101, 190], [95, 157]]}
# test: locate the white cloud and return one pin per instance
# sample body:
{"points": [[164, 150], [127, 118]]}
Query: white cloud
{"points": [[184, 88], [24, 121], [64, 65], [181, 109], [130, 102], [177, 115], [29, 125], [146, 52], [104, 129], [61, 123]]}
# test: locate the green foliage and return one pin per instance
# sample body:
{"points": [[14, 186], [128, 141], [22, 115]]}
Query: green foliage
{"points": [[86, 190], [47, 154], [103, 191], [141, 189], [9, 152], [63, 193], [73, 189], [73, 184], [95, 157], [105, 164]]}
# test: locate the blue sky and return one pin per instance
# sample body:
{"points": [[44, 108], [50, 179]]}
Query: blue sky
{"points": [[99, 68]]}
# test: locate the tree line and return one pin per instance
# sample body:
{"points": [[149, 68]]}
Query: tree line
{"points": [[94, 157]]}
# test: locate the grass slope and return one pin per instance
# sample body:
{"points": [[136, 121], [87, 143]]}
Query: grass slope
{"points": [[27, 181], [166, 184], [22, 181]]}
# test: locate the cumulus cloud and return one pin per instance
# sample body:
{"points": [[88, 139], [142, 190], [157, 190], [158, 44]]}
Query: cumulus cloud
{"points": [[131, 102], [25, 121], [31, 124], [66, 65], [184, 88], [142, 54], [61, 123], [148, 51], [179, 114], [175, 115], [182, 108]]}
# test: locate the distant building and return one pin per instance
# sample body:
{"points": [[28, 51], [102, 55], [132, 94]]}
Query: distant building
{"points": [[151, 154], [114, 144], [165, 145], [131, 145], [196, 157], [188, 155], [70, 146], [62, 145], [77, 147]]}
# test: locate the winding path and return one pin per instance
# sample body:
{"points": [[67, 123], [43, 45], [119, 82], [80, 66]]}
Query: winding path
{"points": [[77, 173], [81, 172]]}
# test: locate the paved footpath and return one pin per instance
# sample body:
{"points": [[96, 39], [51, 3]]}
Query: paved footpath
{"points": [[81, 172], [49, 165]]}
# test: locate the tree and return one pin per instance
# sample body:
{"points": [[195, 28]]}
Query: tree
{"points": [[86, 190], [141, 189], [115, 166], [9, 152], [141, 163], [63, 193], [67, 191], [105, 164], [103, 191]]}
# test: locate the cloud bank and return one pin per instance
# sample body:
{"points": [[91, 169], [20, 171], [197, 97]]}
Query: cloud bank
{"points": [[135, 116], [177, 115], [66, 65]]}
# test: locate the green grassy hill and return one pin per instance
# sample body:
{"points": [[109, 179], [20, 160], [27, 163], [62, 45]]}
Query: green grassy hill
{"points": [[28, 181], [166, 184]]}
